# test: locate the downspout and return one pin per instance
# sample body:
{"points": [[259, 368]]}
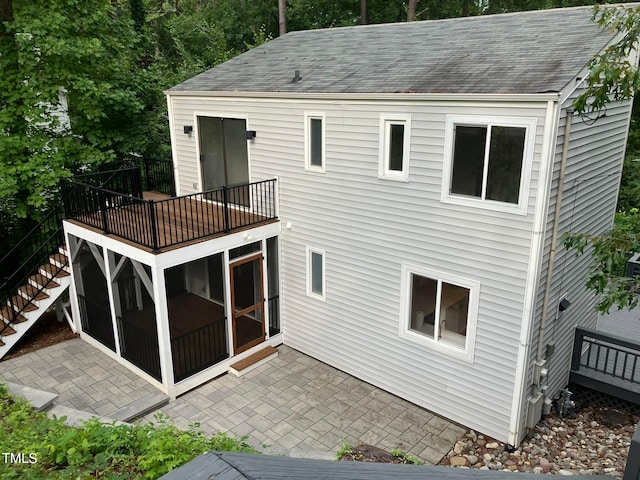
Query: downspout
{"points": [[554, 241]]}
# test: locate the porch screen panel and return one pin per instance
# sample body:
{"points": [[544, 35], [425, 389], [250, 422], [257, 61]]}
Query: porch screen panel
{"points": [[136, 316], [197, 325], [273, 284], [93, 299]]}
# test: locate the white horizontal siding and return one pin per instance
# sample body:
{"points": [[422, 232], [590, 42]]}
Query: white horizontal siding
{"points": [[368, 227], [589, 197]]}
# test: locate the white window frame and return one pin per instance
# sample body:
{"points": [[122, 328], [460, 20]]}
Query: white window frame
{"points": [[308, 116], [386, 120], [529, 124], [310, 292], [466, 353]]}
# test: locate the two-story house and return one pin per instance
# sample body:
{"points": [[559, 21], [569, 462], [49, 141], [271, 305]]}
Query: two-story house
{"points": [[388, 199]]}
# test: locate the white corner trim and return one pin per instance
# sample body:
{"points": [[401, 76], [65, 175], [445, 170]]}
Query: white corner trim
{"points": [[533, 273]]}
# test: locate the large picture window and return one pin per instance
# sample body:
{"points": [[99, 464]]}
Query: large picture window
{"points": [[488, 161], [439, 310], [395, 135]]}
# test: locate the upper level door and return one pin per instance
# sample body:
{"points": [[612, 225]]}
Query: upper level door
{"points": [[223, 151]]}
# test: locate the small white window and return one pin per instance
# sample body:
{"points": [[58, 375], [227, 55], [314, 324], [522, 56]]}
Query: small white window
{"points": [[314, 148], [395, 141], [487, 162], [439, 311], [316, 273]]}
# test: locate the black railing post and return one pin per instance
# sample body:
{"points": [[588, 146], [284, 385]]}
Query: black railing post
{"points": [[577, 350], [147, 174], [102, 201], [154, 223], [632, 469], [137, 189], [225, 208]]}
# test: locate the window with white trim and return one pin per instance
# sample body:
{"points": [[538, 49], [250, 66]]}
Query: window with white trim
{"points": [[439, 310], [314, 135], [316, 273], [395, 136], [487, 161]]}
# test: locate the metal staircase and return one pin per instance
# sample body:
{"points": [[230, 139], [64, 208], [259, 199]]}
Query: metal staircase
{"points": [[34, 286]]}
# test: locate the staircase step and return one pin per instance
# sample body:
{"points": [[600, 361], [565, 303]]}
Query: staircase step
{"points": [[50, 270], [253, 361], [31, 292], [140, 407], [20, 303], [59, 259], [7, 330], [40, 400], [42, 281], [7, 314], [76, 418]]}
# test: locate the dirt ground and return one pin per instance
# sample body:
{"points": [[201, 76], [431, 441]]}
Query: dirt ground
{"points": [[46, 332]]}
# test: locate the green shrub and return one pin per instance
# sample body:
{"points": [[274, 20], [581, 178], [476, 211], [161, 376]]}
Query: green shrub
{"points": [[96, 450]]}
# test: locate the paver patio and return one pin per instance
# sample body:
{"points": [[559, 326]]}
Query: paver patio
{"points": [[290, 405]]}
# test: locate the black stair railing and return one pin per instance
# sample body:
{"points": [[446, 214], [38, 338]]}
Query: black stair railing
{"points": [[44, 240]]}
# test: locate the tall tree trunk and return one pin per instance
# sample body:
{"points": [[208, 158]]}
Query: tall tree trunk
{"points": [[282, 16], [6, 12], [465, 8], [363, 12], [411, 11]]}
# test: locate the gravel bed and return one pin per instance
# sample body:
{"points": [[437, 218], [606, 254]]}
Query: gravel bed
{"points": [[592, 441]]}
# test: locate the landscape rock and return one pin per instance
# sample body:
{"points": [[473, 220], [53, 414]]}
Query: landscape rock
{"points": [[458, 461], [593, 440]]}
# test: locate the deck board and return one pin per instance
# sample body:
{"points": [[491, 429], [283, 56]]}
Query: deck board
{"points": [[180, 222]]}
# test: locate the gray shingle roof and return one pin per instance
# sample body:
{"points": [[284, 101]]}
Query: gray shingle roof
{"points": [[244, 466], [526, 52]]}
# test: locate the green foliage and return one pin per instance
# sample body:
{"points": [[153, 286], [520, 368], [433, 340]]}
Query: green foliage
{"points": [[96, 450], [612, 76], [405, 457], [610, 253], [345, 451]]}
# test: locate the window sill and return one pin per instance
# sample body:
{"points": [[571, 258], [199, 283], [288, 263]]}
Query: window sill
{"points": [[440, 346], [399, 177], [513, 208]]}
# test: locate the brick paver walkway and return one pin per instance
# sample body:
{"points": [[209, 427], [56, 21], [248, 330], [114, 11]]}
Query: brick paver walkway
{"points": [[290, 405]]}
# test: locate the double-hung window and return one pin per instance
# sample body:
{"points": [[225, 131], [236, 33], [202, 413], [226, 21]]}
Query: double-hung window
{"points": [[314, 135], [487, 162], [395, 136], [439, 310]]}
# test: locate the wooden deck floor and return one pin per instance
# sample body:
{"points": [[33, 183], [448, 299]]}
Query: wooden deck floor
{"points": [[170, 223]]}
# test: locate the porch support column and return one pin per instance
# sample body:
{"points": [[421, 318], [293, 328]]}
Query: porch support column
{"points": [[162, 327], [228, 308], [265, 289], [107, 256], [73, 246]]}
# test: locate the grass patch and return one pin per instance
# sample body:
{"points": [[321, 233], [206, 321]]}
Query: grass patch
{"points": [[97, 450]]}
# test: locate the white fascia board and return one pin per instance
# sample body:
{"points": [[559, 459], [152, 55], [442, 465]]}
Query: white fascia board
{"points": [[474, 97]]}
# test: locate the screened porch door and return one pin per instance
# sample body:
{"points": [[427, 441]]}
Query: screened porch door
{"points": [[247, 302]]}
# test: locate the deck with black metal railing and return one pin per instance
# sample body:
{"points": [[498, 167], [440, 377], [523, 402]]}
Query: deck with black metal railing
{"points": [[116, 206], [607, 364]]}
